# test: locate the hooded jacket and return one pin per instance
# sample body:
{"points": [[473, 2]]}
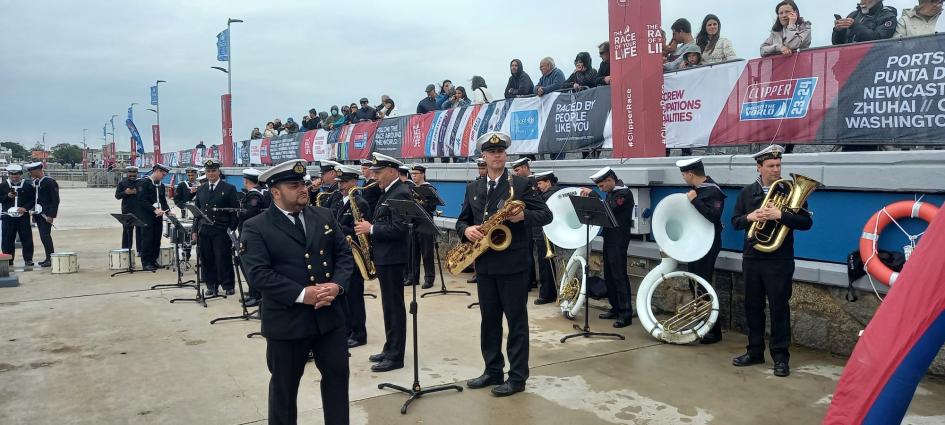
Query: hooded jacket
{"points": [[912, 24], [520, 84], [879, 23], [587, 78]]}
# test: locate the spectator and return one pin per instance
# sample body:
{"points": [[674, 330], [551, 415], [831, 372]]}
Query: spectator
{"points": [[480, 90], [919, 20], [681, 44], [353, 113], [693, 58], [310, 120], [277, 126], [551, 77], [256, 134], [584, 75], [366, 112], [715, 48], [870, 21], [387, 109], [603, 73], [270, 130], [334, 120], [458, 100], [428, 104], [446, 92], [291, 127], [322, 119], [520, 84], [790, 32]]}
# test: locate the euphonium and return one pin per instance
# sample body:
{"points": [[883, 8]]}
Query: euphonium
{"points": [[361, 250], [788, 197], [498, 236]]}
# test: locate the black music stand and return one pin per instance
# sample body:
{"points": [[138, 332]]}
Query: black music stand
{"points": [[201, 298], [129, 220], [177, 236], [237, 268], [417, 220], [591, 211], [427, 194]]}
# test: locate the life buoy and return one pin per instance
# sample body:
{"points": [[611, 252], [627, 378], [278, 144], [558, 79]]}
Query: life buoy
{"points": [[874, 227]]}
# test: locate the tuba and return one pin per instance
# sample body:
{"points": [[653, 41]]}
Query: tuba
{"points": [[360, 249], [567, 232], [682, 235], [498, 236], [788, 197]]}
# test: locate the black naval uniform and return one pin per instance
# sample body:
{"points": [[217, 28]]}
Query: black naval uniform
{"points": [[128, 233], [354, 296], [254, 203], [710, 201], [25, 197], [281, 262], [423, 248], [536, 248], [768, 276], [373, 193], [546, 269], [213, 242], [388, 237], [182, 196], [502, 277], [148, 195], [47, 196], [616, 242]]}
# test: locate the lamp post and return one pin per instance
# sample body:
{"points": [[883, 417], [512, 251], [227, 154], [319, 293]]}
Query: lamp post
{"points": [[227, 103]]}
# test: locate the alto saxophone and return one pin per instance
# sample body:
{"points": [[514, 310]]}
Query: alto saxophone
{"points": [[498, 236], [360, 249], [318, 198]]}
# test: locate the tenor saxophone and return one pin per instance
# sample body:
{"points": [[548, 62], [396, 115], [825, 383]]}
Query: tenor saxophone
{"points": [[498, 236], [360, 249]]}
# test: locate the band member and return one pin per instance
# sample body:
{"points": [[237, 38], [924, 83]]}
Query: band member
{"points": [[616, 241], [502, 276], [547, 185], [18, 199], [423, 245], [127, 194], [46, 209], [328, 184], [151, 205], [297, 257], [522, 168], [388, 233], [185, 191], [768, 276], [213, 243], [405, 175], [254, 203], [373, 193], [709, 200], [481, 168], [354, 296]]}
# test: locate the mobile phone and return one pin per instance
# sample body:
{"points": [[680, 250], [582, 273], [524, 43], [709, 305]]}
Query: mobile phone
{"points": [[837, 17]]}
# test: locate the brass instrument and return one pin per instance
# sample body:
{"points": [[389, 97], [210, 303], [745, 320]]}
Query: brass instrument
{"points": [[788, 197], [318, 198], [549, 250], [498, 236], [360, 249]]}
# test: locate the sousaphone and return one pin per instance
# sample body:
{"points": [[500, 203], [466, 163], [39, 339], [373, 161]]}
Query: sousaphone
{"points": [[566, 231]]}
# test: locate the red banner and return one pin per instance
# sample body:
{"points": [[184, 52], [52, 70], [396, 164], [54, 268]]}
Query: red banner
{"points": [[416, 135], [305, 147], [227, 154], [134, 151], [156, 136], [636, 64]]}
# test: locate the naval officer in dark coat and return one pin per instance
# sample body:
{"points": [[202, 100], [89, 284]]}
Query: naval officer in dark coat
{"points": [[126, 193], [150, 207], [296, 255], [217, 200]]}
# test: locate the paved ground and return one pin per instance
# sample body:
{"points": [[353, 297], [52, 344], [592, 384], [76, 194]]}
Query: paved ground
{"points": [[89, 349]]}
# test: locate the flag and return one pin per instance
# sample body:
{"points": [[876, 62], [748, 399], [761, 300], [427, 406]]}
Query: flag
{"points": [[223, 45], [154, 95], [139, 144]]}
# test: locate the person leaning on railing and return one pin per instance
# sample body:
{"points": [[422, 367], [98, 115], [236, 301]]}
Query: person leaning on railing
{"points": [[870, 21], [919, 20], [715, 48], [790, 32]]}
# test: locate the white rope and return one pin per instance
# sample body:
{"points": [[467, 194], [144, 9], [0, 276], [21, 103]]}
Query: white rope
{"points": [[875, 240]]}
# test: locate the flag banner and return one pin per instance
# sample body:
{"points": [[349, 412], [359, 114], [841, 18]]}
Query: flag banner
{"points": [[223, 46], [136, 142], [696, 96], [154, 95], [389, 137], [255, 147], [284, 148], [156, 136]]}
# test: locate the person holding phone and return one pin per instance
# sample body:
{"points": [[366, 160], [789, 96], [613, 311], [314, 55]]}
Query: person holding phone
{"points": [[870, 21], [789, 33]]}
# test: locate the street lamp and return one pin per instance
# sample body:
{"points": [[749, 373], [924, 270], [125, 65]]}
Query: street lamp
{"points": [[220, 68]]}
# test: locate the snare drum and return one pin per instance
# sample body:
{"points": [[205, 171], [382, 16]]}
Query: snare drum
{"points": [[166, 257], [64, 262], [180, 236], [119, 259]]}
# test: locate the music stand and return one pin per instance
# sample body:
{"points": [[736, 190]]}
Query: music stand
{"points": [[177, 236], [129, 220], [417, 220], [201, 298], [591, 211], [428, 194], [237, 268]]}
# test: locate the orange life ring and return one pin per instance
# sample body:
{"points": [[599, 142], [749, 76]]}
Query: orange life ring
{"points": [[874, 227]]}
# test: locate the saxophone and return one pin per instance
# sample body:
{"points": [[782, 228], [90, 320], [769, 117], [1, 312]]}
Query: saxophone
{"points": [[318, 198], [360, 249], [498, 236]]}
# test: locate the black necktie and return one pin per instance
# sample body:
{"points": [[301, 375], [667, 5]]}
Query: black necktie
{"points": [[491, 188], [211, 186], [297, 217]]}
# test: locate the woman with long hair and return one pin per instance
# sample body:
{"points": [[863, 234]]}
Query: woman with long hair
{"points": [[790, 32], [480, 90], [458, 100], [715, 48]]}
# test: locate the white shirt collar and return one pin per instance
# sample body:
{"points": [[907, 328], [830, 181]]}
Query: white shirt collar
{"points": [[387, 189], [290, 217]]}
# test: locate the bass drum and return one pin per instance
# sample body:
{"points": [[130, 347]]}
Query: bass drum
{"points": [[573, 286]]}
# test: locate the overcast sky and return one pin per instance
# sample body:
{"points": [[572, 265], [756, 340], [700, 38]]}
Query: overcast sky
{"points": [[71, 65]]}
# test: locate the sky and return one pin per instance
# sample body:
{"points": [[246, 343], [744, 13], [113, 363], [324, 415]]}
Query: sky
{"points": [[68, 66]]}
